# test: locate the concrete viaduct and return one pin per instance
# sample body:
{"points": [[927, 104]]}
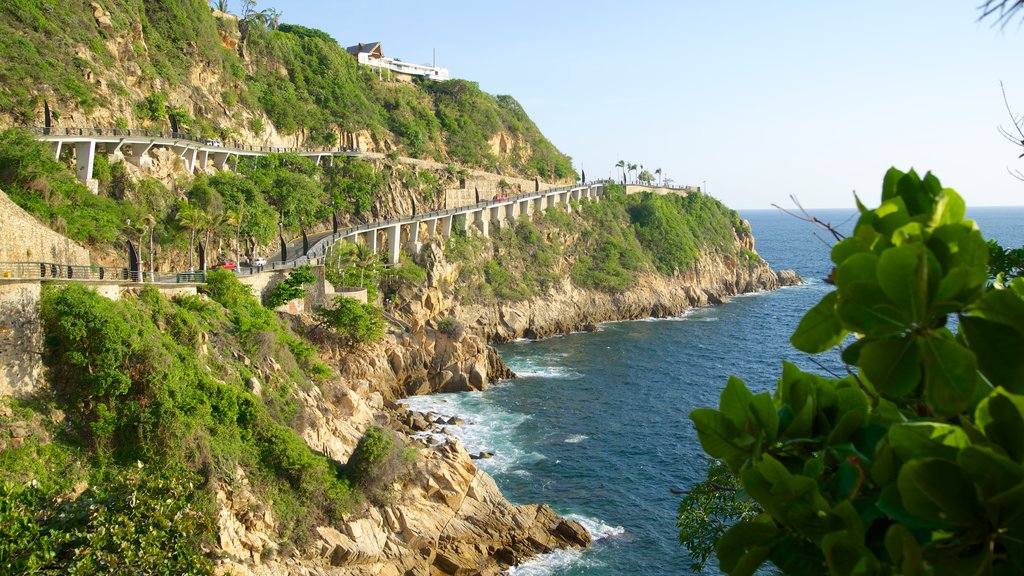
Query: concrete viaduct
{"points": [[134, 144], [391, 236]]}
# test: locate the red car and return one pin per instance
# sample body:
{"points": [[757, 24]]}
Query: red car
{"points": [[500, 197], [227, 265]]}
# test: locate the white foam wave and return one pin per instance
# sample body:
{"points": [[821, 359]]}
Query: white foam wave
{"points": [[561, 559], [598, 529], [576, 438], [485, 428]]}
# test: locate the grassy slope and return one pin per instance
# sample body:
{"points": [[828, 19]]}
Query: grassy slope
{"points": [[56, 49]]}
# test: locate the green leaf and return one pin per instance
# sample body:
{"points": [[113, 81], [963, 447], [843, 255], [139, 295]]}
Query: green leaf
{"points": [[904, 550], [721, 438], [950, 208], [912, 440], [890, 183], [950, 375], [1003, 306], [893, 366], [863, 307], [992, 471], [763, 412], [1001, 417], [741, 539], [820, 328], [860, 267], [847, 248], [998, 348], [735, 401], [847, 556], [939, 491], [906, 275]]}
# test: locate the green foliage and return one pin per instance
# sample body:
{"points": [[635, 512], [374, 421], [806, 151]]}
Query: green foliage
{"points": [[1005, 263], [135, 385], [292, 287], [677, 230], [355, 266], [352, 319], [402, 280], [450, 326], [47, 189], [353, 185], [709, 509], [912, 464], [133, 520], [379, 460], [153, 107]]}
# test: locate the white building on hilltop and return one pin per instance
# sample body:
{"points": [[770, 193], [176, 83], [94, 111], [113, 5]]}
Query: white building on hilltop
{"points": [[372, 55]]}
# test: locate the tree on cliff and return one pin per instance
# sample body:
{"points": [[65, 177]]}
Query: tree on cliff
{"points": [[914, 462]]}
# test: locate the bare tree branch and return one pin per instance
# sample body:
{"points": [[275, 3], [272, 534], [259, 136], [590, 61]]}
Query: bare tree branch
{"points": [[1002, 10], [808, 217]]}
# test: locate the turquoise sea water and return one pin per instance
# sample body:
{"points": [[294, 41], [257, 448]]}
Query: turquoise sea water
{"points": [[596, 425]]}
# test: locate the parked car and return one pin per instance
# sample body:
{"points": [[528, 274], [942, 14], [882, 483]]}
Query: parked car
{"points": [[258, 262], [227, 264], [499, 197]]}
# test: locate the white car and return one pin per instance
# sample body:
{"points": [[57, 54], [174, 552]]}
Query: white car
{"points": [[257, 262]]}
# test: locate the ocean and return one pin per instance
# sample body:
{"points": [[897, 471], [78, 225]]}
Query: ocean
{"points": [[597, 424]]}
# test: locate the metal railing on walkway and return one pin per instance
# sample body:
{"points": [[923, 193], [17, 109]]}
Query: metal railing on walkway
{"points": [[75, 272], [73, 132]]}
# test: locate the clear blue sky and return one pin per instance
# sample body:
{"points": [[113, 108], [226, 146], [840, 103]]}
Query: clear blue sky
{"points": [[759, 100]]}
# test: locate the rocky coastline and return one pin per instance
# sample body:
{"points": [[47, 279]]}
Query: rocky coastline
{"points": [[449, 517]]}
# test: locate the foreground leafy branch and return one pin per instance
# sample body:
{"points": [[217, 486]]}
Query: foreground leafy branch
{"points": [[914, 463]]}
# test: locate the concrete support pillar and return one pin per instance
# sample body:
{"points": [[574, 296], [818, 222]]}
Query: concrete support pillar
{"points": [[55, 147], [394, 241], [466, 218], [371, 239], [85, 155], [510, 212], [203, 158], [136, 152], [538, 204], [482, 221], [414, 231], [190, 162], [220, 160], [446, 227], [524, 207]]}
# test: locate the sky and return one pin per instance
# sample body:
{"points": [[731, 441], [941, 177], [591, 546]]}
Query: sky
{"points": [[755, 101]]}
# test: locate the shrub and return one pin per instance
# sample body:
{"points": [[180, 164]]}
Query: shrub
{"points": [[451, 327], [379, 460], [913, 462], [292, 287], [352, 319]]}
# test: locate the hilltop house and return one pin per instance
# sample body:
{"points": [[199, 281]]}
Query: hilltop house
{"points": [[372, 55]]}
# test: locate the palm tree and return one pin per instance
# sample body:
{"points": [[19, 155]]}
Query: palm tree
{"points": [[234, 219], [632, 167], [221, 6], [364, 259], [214, 222], [151, 223], [191, 219], [622, 164], [658, 172]]}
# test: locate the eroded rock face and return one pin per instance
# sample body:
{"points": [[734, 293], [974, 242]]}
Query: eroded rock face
{"points": [[571, 309], [449, 517]]}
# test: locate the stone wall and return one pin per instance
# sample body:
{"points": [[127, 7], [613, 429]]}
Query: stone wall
{"points": [[23, 238], [21, 338]]}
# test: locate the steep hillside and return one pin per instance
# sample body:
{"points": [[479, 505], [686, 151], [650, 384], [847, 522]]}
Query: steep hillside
{"points": [[146, 64]]}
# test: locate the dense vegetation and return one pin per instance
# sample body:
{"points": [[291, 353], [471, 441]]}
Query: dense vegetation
{"points": [[58, 51], [155, 407], [912, 463], [604, 245]]}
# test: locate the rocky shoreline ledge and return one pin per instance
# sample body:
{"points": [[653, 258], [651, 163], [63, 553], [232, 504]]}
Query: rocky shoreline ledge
{"points": [[447, 517]]}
